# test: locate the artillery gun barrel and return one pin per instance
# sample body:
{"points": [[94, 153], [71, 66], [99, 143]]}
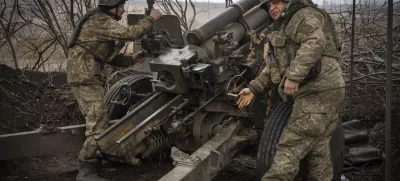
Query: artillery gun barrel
{"points": [[233, 12], [252, 20]]}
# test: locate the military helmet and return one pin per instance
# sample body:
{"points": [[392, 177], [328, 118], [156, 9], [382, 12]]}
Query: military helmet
{"points": [[262, 3], [265, 1], [111, 3]]}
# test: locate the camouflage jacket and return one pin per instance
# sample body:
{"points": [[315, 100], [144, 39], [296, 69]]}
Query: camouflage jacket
{"points": [[297, 47], [99, 35]]}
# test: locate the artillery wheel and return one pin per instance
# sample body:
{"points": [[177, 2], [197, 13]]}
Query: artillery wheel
{"points": [[139, 83], [270, 137]]}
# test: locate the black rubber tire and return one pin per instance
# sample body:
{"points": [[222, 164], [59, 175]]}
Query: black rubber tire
{"points": [[139, 83], [270, 137]]}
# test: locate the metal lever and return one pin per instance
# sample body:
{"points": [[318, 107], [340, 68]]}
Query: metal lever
{"points": [[150, 4]]}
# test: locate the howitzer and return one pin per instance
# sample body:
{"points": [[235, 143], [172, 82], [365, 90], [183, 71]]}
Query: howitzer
{"points": [[188, 105]]}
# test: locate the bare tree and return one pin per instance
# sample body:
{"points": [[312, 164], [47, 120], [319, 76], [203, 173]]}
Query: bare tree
{"points": [[36, 30], [181, 9], [9, 25], [370, 44], [43, 10], [50, 24], [58, 18], [74, 9], [40, 47]]}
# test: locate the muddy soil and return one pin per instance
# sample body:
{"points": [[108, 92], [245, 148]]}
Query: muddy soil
{"points": [[33, 98]]}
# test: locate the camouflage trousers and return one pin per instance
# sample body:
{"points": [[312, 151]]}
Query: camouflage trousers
{"points": [[92, 105], [307, 135]]}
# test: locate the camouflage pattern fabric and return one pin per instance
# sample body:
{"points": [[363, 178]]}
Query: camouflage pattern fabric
{"points": [[259, 49], [85, 77], [257, 46], [307, 135], [297, 48], [99, 34], [92, 105], [298, 44]]}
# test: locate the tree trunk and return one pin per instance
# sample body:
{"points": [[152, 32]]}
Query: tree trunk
{"points": [[14, 55]]}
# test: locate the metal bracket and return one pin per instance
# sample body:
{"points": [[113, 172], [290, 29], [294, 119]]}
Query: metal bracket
{"points": [[209, 159], [182, 158]]}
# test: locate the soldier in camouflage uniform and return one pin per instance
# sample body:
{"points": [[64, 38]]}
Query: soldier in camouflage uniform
{"points": [[302, 57], [92, 45]]}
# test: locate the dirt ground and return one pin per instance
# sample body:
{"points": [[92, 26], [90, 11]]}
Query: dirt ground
{"points": [[29, 100], [34, 98]]}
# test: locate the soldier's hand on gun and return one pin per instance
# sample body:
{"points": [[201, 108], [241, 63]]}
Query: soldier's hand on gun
{"points": [[245, 98], [156, 14], [137, 57], [291, 87]]}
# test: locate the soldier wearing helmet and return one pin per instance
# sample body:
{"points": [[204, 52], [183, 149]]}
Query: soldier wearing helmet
{"points": [[93, 44], [304, 66]]}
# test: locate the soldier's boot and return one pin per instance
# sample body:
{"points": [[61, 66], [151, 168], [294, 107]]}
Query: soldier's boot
{"points": [[88, 172]]}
